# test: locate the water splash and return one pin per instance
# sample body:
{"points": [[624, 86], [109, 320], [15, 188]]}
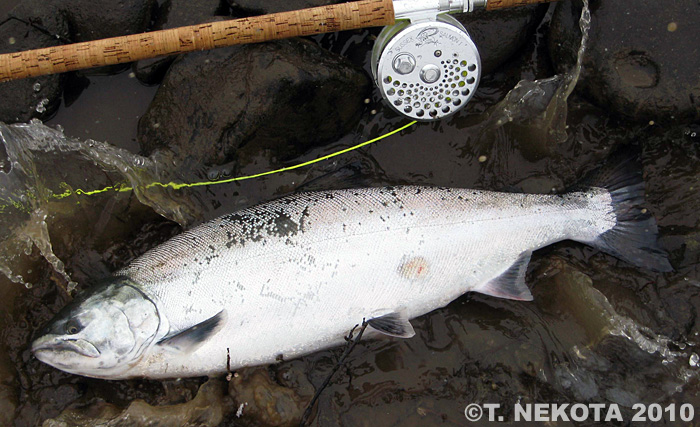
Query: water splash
{"points": [[541, 105], [694, 360], [39, 163], [37, 231], [644, 337], [41, 106]]}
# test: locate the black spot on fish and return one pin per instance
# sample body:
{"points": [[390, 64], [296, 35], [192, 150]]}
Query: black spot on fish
{"points": [[283, 225], [303, 221]]}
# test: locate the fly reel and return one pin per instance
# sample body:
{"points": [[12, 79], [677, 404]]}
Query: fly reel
{"points": [[426, 69]]}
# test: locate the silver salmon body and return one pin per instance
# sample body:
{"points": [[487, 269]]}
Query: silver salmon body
{"points": [[295, 275]]}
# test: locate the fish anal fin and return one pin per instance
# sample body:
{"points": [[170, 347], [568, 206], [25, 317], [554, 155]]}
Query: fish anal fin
{"points": [[511, 283], [394, 324], [192, 338]]}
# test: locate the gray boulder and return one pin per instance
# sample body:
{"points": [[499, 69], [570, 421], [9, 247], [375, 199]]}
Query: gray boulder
{"points": [[500, 34], [99, 19], [287, 96], [37, 97], [72, 20], [643, 57], [173, 14]]}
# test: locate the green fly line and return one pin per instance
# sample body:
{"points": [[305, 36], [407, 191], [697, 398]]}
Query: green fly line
{"points": [[122, 187]]}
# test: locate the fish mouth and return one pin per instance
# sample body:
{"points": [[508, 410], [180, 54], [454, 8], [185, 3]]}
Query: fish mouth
{"points": [[47, 346]]}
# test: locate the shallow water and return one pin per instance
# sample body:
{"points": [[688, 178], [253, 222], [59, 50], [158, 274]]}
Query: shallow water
{"points": [[598, 331]]}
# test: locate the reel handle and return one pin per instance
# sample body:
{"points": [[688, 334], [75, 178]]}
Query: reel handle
{"points": [[134, 47]]}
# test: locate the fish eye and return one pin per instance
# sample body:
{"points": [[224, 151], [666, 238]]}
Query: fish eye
{"points": [[73, 327]]}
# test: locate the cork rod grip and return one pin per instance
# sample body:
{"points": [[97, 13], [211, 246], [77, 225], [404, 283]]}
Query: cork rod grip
{"points": [[502, 4], [118, 50]]}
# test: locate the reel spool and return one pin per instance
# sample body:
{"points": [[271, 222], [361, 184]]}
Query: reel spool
{"points": [[426, 69]]}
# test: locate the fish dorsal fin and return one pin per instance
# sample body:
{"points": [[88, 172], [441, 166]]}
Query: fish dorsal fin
{"points": [[511, 283], [192, 338], [394, 324]]}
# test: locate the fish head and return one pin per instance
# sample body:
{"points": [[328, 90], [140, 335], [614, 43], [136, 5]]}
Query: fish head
{"points": [[101, 334]]}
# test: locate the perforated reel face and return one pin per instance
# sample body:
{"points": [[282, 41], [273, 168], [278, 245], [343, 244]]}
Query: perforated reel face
{"points": [[427, 70]]}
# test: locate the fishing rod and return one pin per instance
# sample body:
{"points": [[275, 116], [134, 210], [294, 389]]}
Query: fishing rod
{"points": [[424, 62]]}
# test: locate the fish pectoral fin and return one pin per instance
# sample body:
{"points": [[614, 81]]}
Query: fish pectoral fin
{"points": [[511, 283], [192, 338], [394, 324]]}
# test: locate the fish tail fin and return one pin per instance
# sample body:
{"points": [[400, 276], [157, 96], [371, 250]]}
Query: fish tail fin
{"points": [[633, 238]]}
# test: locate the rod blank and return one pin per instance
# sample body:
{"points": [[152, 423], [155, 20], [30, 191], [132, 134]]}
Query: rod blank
{"points": [[135, 47], [124, 49]]}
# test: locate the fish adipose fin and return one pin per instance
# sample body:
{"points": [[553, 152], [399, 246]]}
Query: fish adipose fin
{"points": [[190, 339], [393, 324], [511, 283], [633, 238]]}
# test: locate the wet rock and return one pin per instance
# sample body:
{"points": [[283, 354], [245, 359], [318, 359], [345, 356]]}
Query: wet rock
{"points": [[105, 18], [643, 57], [500, 34], [173, 14], [262, 402], [262, 6], [37, 97], [8, 396], [8, 404], [72, 20], [283, 96], [206, 409], [672, 178]]}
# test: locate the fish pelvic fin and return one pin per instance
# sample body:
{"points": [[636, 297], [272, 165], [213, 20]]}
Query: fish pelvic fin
{"points": [[393, 324], [511, 283], [190, 339], [633, 238]]}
